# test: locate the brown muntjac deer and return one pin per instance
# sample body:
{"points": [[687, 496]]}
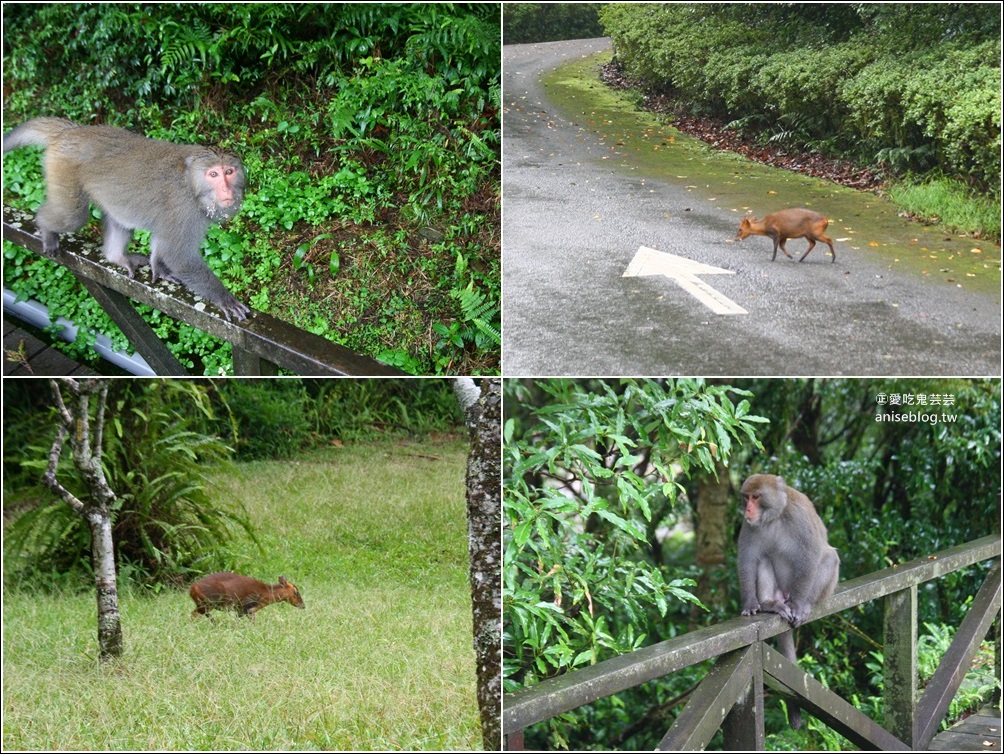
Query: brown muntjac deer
{"points": [[219, 591], [789, 223]]}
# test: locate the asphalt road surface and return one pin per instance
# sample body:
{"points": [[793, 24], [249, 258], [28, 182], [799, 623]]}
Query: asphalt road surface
{"points": [[573, 220]]}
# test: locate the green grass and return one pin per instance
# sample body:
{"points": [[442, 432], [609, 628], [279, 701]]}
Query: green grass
{"points": [[375, 538], [950, 203]]}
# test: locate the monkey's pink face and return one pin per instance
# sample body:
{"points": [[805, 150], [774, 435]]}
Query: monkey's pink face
{"points": [[223, 180], [221, 190], [753, 509]]}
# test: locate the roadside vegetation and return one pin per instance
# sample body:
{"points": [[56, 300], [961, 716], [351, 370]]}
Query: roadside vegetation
{"points": [[549, 22], [370, 135], [908, 93]]}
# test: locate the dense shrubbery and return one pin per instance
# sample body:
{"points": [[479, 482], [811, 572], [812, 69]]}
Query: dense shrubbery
{"points": [[278, 418], [914, 87], [371, 137], [548, 22], [164, 442]]}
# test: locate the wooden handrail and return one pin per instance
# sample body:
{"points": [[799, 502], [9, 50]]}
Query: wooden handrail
{"points": [[261, 343], [729, 641]]}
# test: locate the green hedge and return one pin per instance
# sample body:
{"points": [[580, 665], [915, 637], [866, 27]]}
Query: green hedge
{"points": [[548, 22], [917, 88]]}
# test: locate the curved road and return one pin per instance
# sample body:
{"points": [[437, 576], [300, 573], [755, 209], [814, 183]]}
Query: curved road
{"points": [[573, 220]]}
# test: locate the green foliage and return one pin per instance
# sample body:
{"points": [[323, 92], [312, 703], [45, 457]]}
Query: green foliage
{"points": [[367, 409], [278, 418], [932, 644], [385, 105], [549, 22], [845, 78], [939, 199], [478, 325], [167, 524], [590, 471], [286, 199], [266, 419], [386, 125], [945, 99]]}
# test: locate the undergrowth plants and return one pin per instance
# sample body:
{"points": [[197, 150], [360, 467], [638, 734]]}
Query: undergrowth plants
{"points": [[384, 133], [940, 199]]}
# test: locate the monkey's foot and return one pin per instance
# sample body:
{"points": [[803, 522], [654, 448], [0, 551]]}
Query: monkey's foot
{"points": [[132, 262], [796, 619], [50, 243], [780, 608]]}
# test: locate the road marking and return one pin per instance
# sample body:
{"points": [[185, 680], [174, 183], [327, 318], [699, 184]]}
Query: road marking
{"points": [[684, 273]]}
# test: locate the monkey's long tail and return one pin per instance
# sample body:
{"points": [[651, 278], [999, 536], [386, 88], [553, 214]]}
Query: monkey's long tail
{"points": [[786, 643], [37, 132]]}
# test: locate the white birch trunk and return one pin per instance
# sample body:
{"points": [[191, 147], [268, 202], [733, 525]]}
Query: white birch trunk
{"points": [[86, 446]]}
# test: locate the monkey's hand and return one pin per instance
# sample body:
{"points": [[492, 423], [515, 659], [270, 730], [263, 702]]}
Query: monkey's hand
{"points": [[233, 308]]}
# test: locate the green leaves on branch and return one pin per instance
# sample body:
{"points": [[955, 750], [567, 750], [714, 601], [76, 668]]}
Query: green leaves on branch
{"points": [[592, 470], [167, 524]]}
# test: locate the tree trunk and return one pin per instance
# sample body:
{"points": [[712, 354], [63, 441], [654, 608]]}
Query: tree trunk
{"points": [[86, 445], [713, 534], [484, 523], [105, 583], [804, 431]]}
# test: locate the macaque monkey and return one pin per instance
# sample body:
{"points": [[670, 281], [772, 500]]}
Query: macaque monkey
{"points": [[176, 191], [785, 563]]}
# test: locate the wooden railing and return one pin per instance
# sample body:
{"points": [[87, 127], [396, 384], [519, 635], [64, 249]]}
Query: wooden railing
{"points": [[261, 344], [731, 695]]}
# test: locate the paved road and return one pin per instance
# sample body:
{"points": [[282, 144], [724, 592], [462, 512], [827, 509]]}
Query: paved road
{"points": [[573, 219]]}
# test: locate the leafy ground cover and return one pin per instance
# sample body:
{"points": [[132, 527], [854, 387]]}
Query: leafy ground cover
{"points": [[370, 137]]}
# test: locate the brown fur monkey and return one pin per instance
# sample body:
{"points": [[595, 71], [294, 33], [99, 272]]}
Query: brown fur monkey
{"points": [[785, 563], [176, 191]]}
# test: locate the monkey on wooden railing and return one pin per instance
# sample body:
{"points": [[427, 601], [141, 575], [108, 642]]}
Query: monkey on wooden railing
{"points": [[785, 563], [175, 191]]}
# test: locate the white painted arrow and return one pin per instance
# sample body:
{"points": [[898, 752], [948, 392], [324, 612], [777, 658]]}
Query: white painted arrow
{"points": [[684, 273]]}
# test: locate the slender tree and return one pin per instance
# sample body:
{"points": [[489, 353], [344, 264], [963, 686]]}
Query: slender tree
{"points": [[85, 437], [484, 525]]}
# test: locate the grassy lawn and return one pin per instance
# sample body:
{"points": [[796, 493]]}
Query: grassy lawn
{"points": [[374, 537]]}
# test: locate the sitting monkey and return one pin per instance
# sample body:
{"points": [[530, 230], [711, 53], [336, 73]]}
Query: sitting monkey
{"points": [[785, 563]]}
